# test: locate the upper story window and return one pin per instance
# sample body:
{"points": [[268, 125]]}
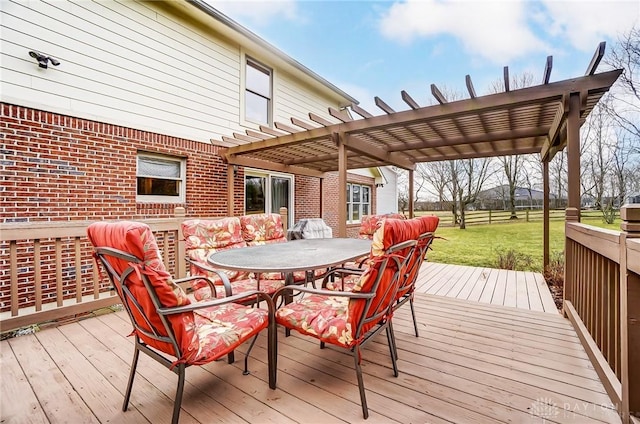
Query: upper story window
{"points": [[358, 202], [161, 179], [258, 93]]}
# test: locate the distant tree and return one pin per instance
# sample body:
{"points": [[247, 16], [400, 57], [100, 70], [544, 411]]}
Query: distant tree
{"points": [[437, 175], [468, 179], [558, 177], [625, 55], [512, 165], [595, 155]]}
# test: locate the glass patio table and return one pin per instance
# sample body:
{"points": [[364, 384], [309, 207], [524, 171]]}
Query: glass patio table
{"points": [[289, 257]]}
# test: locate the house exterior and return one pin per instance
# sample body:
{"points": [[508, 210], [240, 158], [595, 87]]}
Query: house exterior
{"points": [[108, 110]]}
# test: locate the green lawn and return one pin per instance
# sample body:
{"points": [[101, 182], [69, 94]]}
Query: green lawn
{"points": [[479, 245]]}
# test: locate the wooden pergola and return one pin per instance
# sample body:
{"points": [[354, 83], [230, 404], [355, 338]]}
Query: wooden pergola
{"points": [[541, 119]]}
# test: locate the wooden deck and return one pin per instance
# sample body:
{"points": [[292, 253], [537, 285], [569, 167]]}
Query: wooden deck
{"points": [[473, 363], [524, 290]]}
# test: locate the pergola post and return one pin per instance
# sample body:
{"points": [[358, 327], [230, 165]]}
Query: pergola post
{"points": [[545, 215], [342, 183], [573, 152], [230, 194], [411, 200]]}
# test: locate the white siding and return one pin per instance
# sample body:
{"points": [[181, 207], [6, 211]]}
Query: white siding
{"points": [[387, 196], [137, 64]]}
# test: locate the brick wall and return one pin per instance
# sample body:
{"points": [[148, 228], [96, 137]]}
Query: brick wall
{"points": [[57, 167]]}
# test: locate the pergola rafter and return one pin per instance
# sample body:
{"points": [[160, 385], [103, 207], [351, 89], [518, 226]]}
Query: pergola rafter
{"points": [[539, 119]]}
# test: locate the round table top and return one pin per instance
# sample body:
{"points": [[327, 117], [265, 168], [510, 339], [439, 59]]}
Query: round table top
{"points": [[295, 255]]}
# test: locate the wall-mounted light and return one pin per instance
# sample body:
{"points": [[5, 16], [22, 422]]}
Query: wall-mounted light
{"points": [[43, 61]]}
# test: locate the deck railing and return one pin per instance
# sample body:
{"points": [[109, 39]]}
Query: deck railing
{"points": [[602, 300], [47, 271]]}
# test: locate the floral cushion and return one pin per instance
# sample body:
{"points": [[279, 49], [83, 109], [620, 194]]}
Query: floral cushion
{"points": [[204, 237], [222, 329], [427, 224], [263, 228], [137, 239], [335, 319], [369, 224], [324, 317]]}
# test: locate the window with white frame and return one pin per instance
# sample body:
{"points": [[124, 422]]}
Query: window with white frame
{"points": [[268, 192], [258, 82], [358, 202], [160, 178]]}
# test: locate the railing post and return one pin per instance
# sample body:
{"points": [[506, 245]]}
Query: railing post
{"points": [[629, 315], [284, 213], [571, 215], [489, 216], [181, 261]]}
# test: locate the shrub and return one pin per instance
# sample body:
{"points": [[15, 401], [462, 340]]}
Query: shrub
{"points": [[514, 260], [554, 276]]}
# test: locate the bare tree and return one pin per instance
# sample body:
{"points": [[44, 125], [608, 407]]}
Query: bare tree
{"points": [[531, 176], [512, 165], [437, 175], [468, 178], [599, 142], [403, 189], [625, 55], [558, 177]]}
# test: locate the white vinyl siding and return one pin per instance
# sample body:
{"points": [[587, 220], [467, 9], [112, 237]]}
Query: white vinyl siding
{"points": [[121, 62], [142, 65]]}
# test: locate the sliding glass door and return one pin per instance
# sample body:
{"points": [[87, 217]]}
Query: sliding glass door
{"points": [[268, 192]]}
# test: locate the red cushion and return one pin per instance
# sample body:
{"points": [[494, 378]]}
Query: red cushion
{"points": [[262, 228], [137, 239]]}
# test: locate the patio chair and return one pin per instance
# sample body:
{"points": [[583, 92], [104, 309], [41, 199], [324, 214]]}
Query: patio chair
{"points": [[166, 325], [428, 225], [351, 319], [368, 226], [206, 236], [423, 234]]}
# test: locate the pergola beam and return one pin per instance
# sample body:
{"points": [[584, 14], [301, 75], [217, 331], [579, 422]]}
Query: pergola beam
{"points": [[367, 149], [505, 75], [595, 60], [470, 89], [522, 97], [272, 166], [547, 70], [409, 100], [382, 105], [438, 94], [470, 139]]}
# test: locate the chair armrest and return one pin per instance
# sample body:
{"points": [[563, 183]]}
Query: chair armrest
{"points": [[225, 280], [218, 302], [323, 292]]}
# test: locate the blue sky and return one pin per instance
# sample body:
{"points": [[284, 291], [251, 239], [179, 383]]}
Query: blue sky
{"points": [[378, 48]]}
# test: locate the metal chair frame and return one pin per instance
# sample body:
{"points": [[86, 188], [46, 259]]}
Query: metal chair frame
{"points": [[129, 301], [381, 316]]}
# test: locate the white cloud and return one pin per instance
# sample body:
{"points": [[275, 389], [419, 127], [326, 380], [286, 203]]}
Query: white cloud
{"points": [[258, 12], [496, 30], [584, 24]]}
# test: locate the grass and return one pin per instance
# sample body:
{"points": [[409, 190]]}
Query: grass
{"points": [[479, 245]]}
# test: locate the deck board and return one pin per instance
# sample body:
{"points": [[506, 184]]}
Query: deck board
{"points": [[519, 289], [473, 363]]}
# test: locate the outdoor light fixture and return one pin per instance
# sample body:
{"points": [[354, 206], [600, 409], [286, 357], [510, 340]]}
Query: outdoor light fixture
{"points": [[43, 61]]}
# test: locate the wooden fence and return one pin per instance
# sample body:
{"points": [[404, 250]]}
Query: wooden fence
{"points": [[602, 300], [502, 216]]}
